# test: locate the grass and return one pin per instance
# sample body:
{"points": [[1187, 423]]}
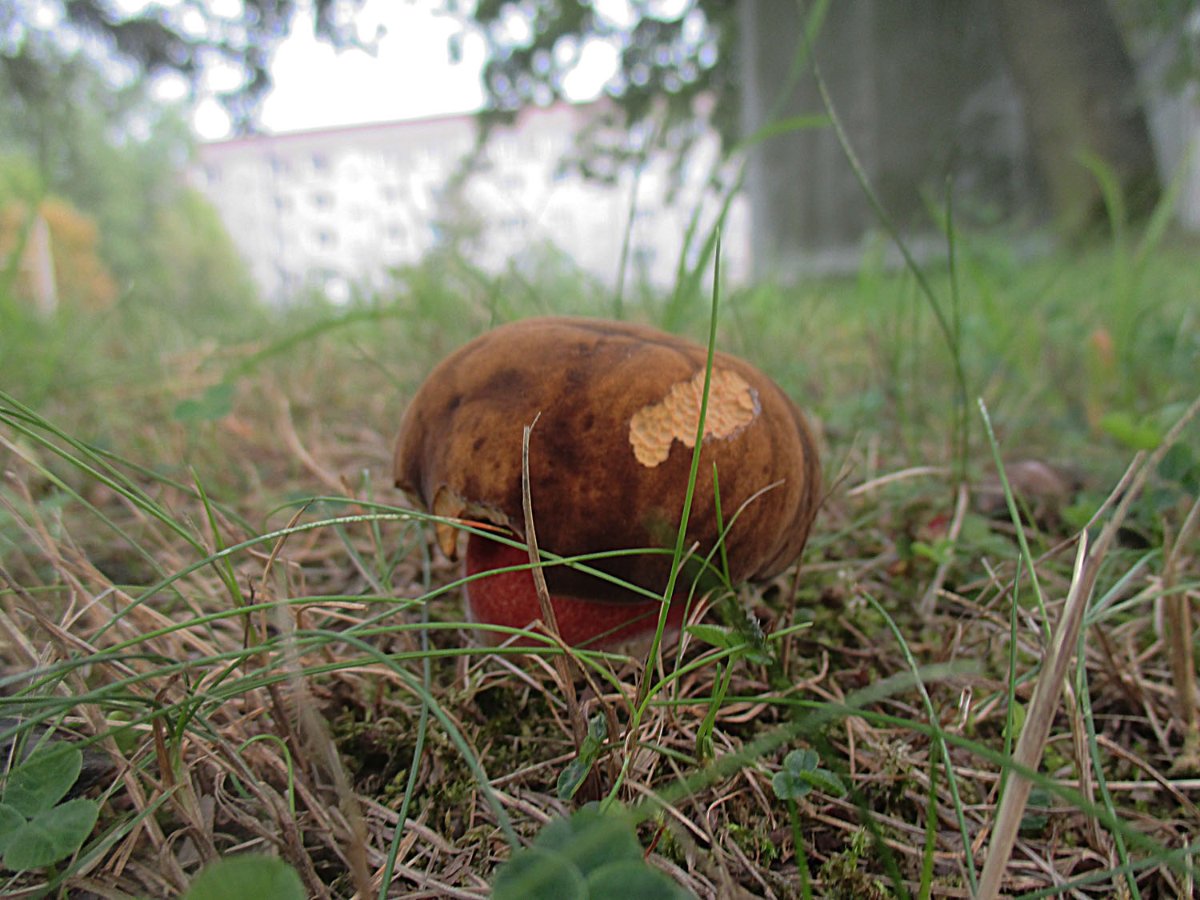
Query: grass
{"points": [[208, 581]]}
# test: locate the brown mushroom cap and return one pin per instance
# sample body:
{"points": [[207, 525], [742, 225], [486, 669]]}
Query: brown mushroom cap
{"points": [[610, 455]]}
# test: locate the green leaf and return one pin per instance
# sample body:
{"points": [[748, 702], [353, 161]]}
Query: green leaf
{"points": [[570, 779], [938, 551], [591, 854], [260, 877], [789, 786], [215, 403], [1134, 435], [590, 838], [723, 638], [51, 836], [1180, 465], [1035, 819], [1018, 721], [43, 779], [826, 781], [742, 644], [801, 773], [11, 822], [632, 881], [1077, 515], [801, 761], [534, 873]]}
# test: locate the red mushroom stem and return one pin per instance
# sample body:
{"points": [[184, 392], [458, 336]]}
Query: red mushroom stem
{"points": [[509, 598]]}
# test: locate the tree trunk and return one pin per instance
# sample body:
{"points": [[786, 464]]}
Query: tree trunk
{"points": [[1081, 102], [923, 91]]}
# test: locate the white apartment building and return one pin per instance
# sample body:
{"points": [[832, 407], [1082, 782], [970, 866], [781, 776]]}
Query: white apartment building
{"points": [[341, 209]]}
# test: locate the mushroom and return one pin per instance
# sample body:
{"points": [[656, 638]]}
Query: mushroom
{"points": [[617, 408]]}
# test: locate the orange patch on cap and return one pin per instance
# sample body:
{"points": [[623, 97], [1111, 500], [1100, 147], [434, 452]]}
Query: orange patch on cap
{"points": [[732, 405]]}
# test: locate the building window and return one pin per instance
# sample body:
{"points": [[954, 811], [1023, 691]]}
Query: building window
{"points": [[326, 239], [320, 162], [322, 200]]}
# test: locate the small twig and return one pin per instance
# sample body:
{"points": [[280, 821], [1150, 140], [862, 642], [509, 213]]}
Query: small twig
{"points": [[563, 663], [901, 475], [287, 431]]}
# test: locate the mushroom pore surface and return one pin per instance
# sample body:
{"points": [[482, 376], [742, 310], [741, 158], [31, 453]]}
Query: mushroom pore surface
{"points": [[617, 409]]}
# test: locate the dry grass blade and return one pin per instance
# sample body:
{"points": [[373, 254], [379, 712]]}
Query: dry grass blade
{"points": [[563, 663], [1036, 730], [535, 559], [1048, 689], [1178, 615]]}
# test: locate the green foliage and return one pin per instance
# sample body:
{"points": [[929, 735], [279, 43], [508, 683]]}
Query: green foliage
{"points": [[1136, 435], [216, 402], [745, 642], [733, 640], [572, 777], [153, 38], [36, 830], [116, 156], [590, 855], [19, 179], [260, 877], [1035, 819], [1181, 466], [844, 876], [196, 276], [670, 63], [21, 189], [801, 773], [44, 355]]}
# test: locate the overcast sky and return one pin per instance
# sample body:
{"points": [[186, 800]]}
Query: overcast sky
{"points": [[409, 76]]}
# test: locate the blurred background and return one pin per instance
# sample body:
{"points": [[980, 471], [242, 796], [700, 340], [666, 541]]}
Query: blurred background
{"points": [[236, 235], [213, 154]]}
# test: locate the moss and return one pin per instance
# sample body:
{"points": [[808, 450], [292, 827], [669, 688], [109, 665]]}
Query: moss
{"points": [[843, 877], [755, 842]]}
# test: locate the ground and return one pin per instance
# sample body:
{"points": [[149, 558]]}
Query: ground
{"points": [[210, 583]]}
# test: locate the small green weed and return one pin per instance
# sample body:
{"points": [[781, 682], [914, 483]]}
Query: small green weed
{"points": [[802, 773], [572, 777], [36, 830], [591, 854], [260, 877]]}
